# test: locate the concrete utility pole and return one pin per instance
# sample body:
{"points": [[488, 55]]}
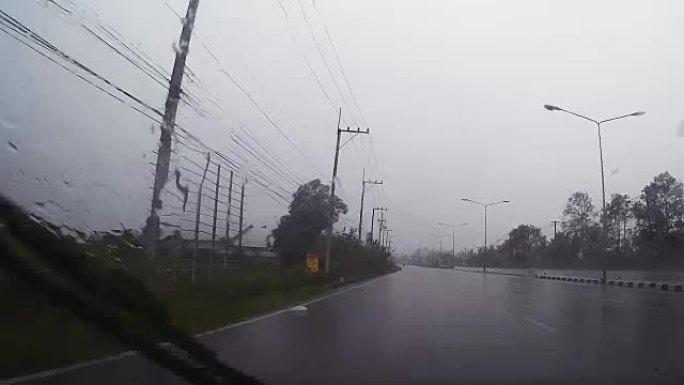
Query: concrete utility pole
{"points": [[373, 220], [381, 226], [197, 218], [364, 182], [328, 238], [240, 221], [386, 239], [161, 172], [230, 203], [555, 223], [213, 226]]}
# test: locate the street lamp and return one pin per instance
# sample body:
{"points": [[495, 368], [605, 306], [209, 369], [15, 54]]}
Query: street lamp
{"points": [[453, 235], [439, 239], [485, 205], [598, 130]]}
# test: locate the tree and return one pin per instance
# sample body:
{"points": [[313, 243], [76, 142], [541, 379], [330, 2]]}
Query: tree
{"points": [[618, 213], [659, 212], [579, 214], [524, 242], [562, 251], [311, 212]]}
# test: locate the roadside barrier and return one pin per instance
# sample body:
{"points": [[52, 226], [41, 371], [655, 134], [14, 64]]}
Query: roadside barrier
{"points": [[662, 286]]}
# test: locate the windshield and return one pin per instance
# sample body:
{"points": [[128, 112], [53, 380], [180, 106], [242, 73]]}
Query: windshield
{"points": [[302, 191]]}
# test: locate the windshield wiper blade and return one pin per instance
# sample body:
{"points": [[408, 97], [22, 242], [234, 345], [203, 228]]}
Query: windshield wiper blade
{"points": [[126, 312]]}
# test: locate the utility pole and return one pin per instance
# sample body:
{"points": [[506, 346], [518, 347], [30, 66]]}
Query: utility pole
{"points": [[555, 223], [197, 218], [373, 220], [381, 225], [230, 203], [364, 182], [386, 239], [213, 226], [161, 172], [240, 222], [328, 240]]}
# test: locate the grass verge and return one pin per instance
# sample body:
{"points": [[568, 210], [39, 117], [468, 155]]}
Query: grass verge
{"points": [[37, 336]]}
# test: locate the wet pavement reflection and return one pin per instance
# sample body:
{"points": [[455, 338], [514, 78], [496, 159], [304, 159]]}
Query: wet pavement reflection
{"points": [[425, 325]]}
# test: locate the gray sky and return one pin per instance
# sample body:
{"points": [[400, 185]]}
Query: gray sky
{"points": [[452, 92]]}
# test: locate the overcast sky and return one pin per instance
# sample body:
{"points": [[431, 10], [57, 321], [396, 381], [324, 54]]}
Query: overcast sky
{"points": [[452, 92]]}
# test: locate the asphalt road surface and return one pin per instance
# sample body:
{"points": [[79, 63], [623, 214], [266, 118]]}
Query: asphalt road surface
{"points": [[428, 326]]}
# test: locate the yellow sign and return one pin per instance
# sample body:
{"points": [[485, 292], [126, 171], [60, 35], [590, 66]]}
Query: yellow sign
{"points": [[312, 262]]}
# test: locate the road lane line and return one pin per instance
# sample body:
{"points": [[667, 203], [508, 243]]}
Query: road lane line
{"points": [[55, 371], [346, 289], [130, 353], [532, 321], [287, 309], [541, 325]]}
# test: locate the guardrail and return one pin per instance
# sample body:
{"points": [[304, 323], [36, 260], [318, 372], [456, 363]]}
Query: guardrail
{"points": [[663, 286], [635, 284]]}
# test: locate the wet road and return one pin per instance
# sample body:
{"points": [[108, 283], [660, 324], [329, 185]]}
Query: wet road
{"points": [[426, 325]]}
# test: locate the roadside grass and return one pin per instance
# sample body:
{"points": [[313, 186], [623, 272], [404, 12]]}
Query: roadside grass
{"points": [[36, 335], [238, 295]]}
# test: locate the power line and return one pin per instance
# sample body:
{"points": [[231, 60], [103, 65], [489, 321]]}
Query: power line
{"points": [[325, 62], [270, 152], [331, 75], [237, 140], [21, 30], [11, 24], [254, 102], [306, 60], [270, 120], [162, 76], [283, 192], [344, 74], [233, 164]]}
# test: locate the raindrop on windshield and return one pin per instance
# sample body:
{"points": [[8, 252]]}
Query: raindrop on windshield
{"points": [[68, 186], [49, 207], [176, 48]]}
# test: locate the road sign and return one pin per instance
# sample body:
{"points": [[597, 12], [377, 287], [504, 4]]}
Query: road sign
{"points": [[312, 262]]}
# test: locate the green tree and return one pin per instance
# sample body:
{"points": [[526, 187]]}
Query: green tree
{"points": [[562, 251], [659, 212], [524, 243], [311, 212], [579, 215], [618, 213]]}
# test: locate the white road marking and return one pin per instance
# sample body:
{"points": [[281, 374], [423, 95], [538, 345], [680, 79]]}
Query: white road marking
{"points": [[80, 365], [532, 321], [346, 289], [541, 325], [52, 372]]}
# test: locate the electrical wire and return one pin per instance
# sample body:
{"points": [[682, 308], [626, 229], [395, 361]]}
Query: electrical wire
{"points": [[325, 62], [339, 62]]}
